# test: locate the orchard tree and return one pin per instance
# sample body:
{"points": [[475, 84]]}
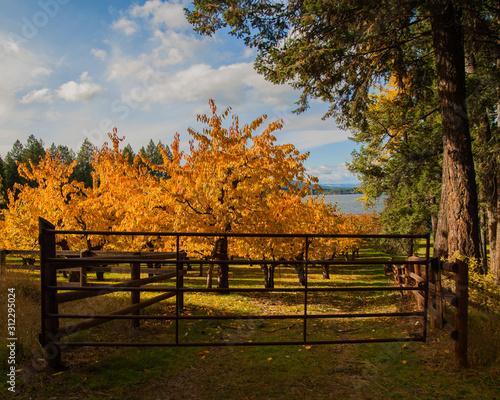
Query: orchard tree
{"points": [[47, 193], [337, 51], [230, 180]]}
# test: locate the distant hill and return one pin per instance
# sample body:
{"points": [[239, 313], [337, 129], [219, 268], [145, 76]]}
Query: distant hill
{"points": [[339, 189]]}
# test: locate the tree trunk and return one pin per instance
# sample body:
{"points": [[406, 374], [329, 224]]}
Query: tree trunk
{"points": [[441, 236], [268, 275], [210, 273], [459, 176], [483, 238], [326, 271], [494, 208], [299, 268], [220, 253]]}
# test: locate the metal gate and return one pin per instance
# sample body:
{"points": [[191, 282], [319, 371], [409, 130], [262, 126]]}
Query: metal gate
{"points": [[53, 294]]}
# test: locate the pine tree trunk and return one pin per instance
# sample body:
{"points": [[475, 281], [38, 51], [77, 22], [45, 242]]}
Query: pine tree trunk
{"points": [[494, 209], [441, 234], [459, 176]]}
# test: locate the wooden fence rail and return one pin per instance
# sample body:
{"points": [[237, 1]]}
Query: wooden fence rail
{"points": [[439, 297]]}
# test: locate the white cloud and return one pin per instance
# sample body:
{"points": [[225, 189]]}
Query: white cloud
{"points": [[83, 91], [231, 84], [38, 96], [40, 72], [99, 53], [125, 25], [333, 174], [126, 67], [167, 14], [171, 49]]}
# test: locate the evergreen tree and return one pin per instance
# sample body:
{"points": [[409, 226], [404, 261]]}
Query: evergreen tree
{"points": [[33, 150], [83, 169], [129, 153], [153, 153], [66, 154], [14, 156], [338, 51]]}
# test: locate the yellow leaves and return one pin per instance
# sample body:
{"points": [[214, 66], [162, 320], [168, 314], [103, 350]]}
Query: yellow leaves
{"points": [[230, 180]]}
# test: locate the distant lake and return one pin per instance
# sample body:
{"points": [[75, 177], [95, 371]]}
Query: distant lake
{"points": [[348, 203]]}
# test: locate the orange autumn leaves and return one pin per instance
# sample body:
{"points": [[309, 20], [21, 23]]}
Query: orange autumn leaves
{"points": [[233, 178]]}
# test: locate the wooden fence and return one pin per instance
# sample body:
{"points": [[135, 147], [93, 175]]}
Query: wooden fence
{"points": [[439, 297]]}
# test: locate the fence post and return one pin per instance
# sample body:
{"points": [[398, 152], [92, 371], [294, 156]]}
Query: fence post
{"points": [[439, 296], [50, 325], [135, 296], [83, 268], [3, 261], [461, 314], [180, 284]]}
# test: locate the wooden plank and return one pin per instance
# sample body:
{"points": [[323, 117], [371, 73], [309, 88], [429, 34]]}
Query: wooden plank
{"points": [[83, 294], [451, 299], [62, 263], [418, 278], [420, 298], [450, 330], [125, 270], [89, 323], [433, 311], [421, 260]]}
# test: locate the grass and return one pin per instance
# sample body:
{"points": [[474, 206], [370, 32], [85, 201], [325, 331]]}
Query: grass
{"points": [[362, 371]]}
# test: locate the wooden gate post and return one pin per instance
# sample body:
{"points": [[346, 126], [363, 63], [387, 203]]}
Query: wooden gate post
{"points": [[461, 314], [3, 261], [50, 325], [179, 285], [135, 296]]}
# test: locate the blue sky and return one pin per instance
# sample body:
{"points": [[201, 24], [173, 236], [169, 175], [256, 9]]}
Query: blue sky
{"points": [[73, 69]]}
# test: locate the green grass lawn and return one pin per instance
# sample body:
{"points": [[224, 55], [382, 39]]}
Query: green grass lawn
{"points": [[401, 370]]}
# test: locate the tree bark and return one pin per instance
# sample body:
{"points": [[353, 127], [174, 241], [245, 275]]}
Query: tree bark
{"points": [[459, 185], [326, 271], [210, 273], [268, 275], [299, 268], [220, 254]]}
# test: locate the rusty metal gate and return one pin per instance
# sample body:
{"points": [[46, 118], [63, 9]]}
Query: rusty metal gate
{"points": [[53, 294]]}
